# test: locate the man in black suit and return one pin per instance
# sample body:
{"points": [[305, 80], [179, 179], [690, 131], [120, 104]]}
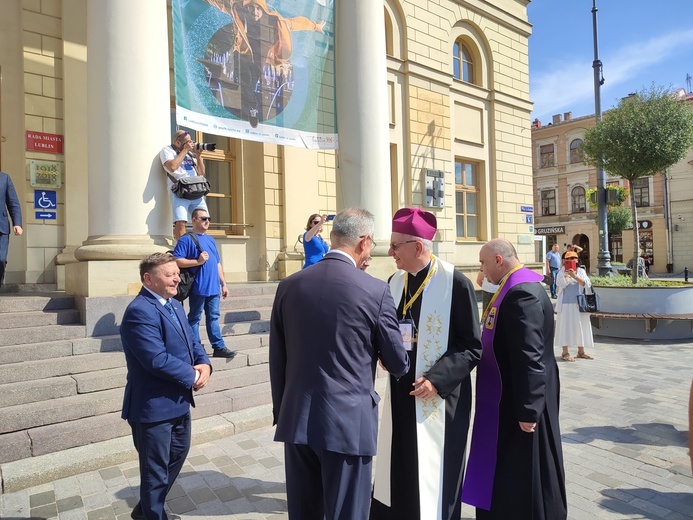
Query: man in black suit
{"points": [[515, 467], [10, 204], [165, 365], [330, 324]]}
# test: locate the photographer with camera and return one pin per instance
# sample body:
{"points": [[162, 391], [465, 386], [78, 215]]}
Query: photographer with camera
{"points": [[182, 158]]}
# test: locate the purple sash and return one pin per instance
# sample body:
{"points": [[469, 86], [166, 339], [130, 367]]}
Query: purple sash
{"points": [[481, 467]]}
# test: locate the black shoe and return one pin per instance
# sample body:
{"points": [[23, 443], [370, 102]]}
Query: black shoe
{"points": [[137, 513], [224, 353]]}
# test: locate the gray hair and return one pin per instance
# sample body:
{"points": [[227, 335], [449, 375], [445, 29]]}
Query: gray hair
{"points": [[350, 225], [502, 247]]}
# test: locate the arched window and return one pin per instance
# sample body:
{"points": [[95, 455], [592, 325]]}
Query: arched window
{"points": [[389, 37], [578, 198], [576, 151], [462, 62]]}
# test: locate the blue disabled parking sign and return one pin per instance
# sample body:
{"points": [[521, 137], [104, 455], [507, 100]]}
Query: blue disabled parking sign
{"points": [[45, 200]]}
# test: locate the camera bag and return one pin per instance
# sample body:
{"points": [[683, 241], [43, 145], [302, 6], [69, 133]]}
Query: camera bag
{"points": [[190, 188], [187, 277]]}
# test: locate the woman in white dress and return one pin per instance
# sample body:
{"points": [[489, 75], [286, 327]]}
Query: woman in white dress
{"points": [[573, 328]]}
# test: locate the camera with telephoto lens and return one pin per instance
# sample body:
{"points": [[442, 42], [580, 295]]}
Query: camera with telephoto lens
{"points": [[209, 147]]}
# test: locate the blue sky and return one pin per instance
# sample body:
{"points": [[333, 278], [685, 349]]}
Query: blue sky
{"points": [[640, 42]]}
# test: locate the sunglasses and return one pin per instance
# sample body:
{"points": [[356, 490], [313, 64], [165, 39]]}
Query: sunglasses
{"points": [[317, 221], [204, 219]]}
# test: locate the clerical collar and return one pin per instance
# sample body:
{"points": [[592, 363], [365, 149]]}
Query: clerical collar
{"points": [[422, 272]]}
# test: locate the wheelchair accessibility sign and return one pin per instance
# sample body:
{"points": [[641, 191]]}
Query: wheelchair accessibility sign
{"points": [[47, 202]]}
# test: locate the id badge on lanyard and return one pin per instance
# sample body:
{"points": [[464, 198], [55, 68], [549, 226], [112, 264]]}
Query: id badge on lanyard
{"points": [[406, 328]]}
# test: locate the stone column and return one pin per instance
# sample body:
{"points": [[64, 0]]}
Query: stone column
{"points": [[128, 124], [362, 112]]}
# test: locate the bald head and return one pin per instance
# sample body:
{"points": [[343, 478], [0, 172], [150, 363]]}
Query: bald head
{"points": [[498, 257]]}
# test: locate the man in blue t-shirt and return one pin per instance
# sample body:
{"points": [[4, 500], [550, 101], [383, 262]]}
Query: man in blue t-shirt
{"points": [[553, 264], [209, 282]]}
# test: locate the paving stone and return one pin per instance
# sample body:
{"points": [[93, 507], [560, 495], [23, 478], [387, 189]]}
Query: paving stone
{"points": [[41, 499], [176, 491], [105, 513], [227, 493], [201, 495], [181, 505], [198, 460], [44, 511], [69, 503]]}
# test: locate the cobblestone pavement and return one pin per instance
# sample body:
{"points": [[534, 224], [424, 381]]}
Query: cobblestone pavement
{"points": [[623, 418]]}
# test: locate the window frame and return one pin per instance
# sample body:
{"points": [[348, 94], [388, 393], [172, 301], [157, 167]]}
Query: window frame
{"points": [[463, 62], [580, 208], [547, 159], [640, 192], [546, 211], [466, 189], [576, 155]]}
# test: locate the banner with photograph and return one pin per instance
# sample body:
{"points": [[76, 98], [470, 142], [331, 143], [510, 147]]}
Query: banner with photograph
{"points": [[261, 70]]}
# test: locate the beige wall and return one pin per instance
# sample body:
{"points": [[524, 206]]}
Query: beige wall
{"points": [[433, 119]]}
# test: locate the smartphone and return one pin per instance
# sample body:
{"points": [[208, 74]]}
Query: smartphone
{"points": [[329, 217], [570, 264]]}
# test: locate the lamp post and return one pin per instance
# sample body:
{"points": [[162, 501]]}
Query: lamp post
{"points": [[603, 257]]}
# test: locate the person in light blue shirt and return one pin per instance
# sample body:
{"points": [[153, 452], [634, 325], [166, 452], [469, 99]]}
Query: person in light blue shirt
{"points": [[553, 264], [314, 246]]}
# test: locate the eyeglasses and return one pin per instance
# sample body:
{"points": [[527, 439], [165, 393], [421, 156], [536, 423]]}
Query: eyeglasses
{"points": [[372, 241], [204, 219], [395, 245]]}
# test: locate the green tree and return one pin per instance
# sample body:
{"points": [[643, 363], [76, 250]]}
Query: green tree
{"points": [[618, 218], [647, 133]]}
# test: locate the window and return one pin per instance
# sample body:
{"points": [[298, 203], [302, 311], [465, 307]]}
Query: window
{"points": [[220, 171], [548, 202], [546, 156], [578, 198], [616, 247], [576, 151], [641, 191], [462, 62], [467, 200]]}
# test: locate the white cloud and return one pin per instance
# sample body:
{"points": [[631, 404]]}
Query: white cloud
{"points": [[570, 84]]}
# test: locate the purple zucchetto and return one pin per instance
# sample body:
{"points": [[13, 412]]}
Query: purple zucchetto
{"points": [[415, 222]]}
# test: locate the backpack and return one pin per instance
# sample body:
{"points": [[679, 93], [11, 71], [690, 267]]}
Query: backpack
{"points": [[187, 278]]}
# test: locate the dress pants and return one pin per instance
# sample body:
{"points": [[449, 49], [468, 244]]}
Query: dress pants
{"points": [[4, 248], [324, 484], [162, 448]]}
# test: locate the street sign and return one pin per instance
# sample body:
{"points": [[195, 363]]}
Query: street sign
{"points": [[45, 215]]}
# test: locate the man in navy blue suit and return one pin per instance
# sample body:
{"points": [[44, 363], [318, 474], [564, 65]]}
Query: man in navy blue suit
{"points": [[11, 205], [165, 365], [330, 325]]}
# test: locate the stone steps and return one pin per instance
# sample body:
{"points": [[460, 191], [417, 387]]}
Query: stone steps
{"points": [[63, 391]]}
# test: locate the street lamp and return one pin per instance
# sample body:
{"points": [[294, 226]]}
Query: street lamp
{"points": [[603, 257]]}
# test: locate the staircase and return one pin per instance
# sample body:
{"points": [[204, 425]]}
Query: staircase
{"points": [[60, 389]]}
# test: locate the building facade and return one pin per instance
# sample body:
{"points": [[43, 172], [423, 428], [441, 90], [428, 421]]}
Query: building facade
{"points": [[447, 131], [565, 214]]}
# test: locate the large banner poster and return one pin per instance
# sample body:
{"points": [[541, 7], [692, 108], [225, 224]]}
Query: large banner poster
{"points": [[261, 70]]}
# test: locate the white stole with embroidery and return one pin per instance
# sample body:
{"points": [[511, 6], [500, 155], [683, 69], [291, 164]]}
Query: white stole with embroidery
{"points": [[433, 331]]}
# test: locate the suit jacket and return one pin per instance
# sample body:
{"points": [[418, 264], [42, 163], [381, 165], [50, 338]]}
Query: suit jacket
{"points": [[160, 358], [330, 324], [10, 203]]}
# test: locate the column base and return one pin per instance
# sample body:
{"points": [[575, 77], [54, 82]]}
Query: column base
{"points": [[114, 247], [103, 278]]}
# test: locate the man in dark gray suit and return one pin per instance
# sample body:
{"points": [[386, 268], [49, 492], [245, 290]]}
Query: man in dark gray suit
{"points": [[330, 324]]}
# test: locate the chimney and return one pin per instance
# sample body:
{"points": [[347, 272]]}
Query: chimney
{"points": [[567, 116], [536, 124], [556, 119]]}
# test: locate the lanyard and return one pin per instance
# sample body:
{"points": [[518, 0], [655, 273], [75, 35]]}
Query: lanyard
{"points": [[495, 295], [408, 304]]}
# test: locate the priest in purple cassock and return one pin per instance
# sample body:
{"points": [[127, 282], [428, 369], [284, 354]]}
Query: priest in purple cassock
{"points": [[515, 468], [423, 431]]}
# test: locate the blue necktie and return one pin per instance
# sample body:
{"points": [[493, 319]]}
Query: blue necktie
{"points": [[169, 308]]}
